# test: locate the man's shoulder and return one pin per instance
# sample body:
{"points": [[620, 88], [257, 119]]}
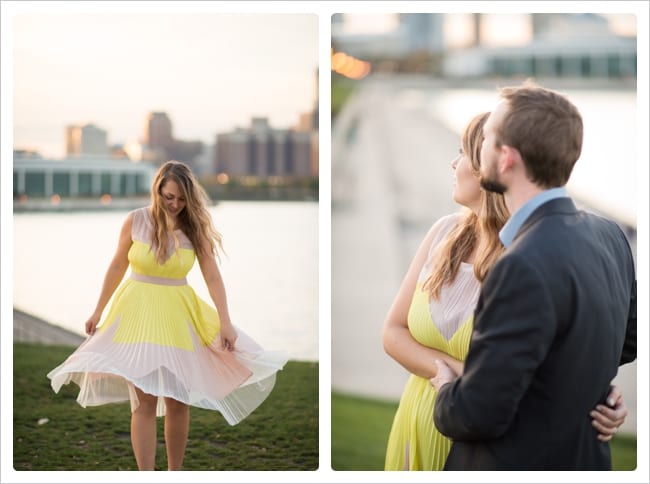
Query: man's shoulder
{"points": [[559, 236], [600, 220]]}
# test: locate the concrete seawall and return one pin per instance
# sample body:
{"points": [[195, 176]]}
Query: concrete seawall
{"points": [[30, 329], [78, 204]]}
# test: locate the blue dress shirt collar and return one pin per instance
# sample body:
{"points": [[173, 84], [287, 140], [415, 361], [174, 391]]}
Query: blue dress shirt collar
{"points": [[514, 223]]}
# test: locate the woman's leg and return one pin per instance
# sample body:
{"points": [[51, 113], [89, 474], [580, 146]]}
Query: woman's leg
{"points": [[177, 427], [143, 431]]}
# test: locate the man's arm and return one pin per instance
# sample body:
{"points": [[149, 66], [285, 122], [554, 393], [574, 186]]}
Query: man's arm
{"points": [[513, 329]]}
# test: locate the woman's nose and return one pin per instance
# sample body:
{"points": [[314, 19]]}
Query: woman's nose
{"points": [[454, 162]]}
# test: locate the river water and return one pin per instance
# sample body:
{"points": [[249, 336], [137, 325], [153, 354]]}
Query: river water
{"points": [[270, 270]]}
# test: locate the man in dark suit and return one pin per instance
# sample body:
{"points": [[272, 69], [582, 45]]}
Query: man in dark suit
{"points": [[557, 313]]}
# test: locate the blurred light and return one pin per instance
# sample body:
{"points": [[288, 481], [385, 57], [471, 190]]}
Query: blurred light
{"points": [[223, 178], [55, 199], [622, 23], [348, 66], [23, 198], [360, 70], [106, 199], [458, 30], [339, 60], [506, 29], [497, 29]]}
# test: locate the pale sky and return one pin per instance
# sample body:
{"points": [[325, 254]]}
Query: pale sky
{"points": [[209, 72]]}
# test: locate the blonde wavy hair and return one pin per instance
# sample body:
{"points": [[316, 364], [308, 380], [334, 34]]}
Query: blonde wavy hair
{"points": [[483, 226], [194, 220]]}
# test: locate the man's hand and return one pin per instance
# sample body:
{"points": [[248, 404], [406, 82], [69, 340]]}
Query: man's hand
{"points": [[444, 375]]}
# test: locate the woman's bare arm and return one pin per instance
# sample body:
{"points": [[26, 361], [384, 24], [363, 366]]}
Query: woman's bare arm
{"points": [[217, 290], [114, 274], [396, 337]]}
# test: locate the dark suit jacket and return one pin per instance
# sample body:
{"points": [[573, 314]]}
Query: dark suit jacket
{"points": [[555, 318]]}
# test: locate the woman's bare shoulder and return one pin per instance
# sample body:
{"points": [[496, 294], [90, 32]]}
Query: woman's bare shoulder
{"points": [[443, 226]]}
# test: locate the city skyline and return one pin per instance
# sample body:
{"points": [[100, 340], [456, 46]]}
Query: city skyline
{"points": [[214, 73]]}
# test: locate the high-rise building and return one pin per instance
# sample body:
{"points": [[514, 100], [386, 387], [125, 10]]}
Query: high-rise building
{"points": [[185, 151], [85, 139], [263, 151], [159, 144], [158, 131], [308, 123]]}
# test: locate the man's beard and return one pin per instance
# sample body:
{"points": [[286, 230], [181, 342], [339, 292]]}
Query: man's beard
{"points": [[492, 185], [489, 181]]}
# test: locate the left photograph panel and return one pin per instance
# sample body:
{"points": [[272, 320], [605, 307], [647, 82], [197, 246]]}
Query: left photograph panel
{"points": [[165, 241]]}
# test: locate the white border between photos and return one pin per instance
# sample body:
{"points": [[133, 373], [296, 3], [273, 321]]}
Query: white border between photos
{"points": [[324, 10]]}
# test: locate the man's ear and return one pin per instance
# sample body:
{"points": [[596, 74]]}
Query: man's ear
{"points": [[509, 160]]}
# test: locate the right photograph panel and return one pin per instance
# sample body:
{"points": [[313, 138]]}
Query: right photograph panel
{"points": [[484, 231]]}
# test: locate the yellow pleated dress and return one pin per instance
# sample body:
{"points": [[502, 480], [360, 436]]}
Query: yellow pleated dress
{"points": [[446, 325], [160, 337]]}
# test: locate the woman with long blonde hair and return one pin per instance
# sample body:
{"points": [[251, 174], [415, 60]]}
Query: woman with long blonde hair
{"points": [[431, 316], [160, 346]]}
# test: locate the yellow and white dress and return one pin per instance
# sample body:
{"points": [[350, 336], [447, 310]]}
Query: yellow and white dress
{"points": [[446, 325], [159, 336]]}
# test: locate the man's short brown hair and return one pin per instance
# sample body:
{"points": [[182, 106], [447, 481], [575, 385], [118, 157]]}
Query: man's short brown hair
{"points": [[546, 129]]}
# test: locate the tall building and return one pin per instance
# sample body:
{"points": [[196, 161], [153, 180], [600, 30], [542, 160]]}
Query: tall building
{"points": [[261, 150], [85, 139], [159, 144], [158, 131], [308, 123], [264, 151], [185, 151]]}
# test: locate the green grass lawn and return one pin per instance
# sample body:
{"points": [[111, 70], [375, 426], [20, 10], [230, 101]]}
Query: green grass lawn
{"points": [[281, 434], [360, 430], [342, 89]]}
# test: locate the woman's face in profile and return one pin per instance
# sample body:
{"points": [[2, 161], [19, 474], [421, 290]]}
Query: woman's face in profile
{"points": [[467, 190]]}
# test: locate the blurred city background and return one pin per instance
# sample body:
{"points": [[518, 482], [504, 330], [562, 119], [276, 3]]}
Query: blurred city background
{"points": [[101, 100], [403, 88]]}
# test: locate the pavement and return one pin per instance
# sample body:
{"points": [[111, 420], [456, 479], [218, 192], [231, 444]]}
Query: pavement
{"points": [[391, 180]]}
